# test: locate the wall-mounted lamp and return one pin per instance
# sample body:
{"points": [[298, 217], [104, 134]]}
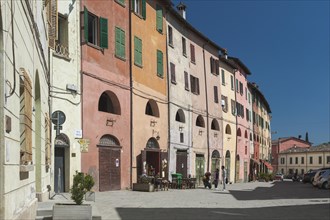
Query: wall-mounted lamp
{"points": [[200, 132], [110, 122], [152, 123], [181, 128]]}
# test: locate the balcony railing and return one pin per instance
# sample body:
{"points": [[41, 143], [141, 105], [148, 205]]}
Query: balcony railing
{"points": [[61, 50]]}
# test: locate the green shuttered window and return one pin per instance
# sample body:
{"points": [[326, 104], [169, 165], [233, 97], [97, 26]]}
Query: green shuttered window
{"points": [[159, 18], [160, 71], [120, 43], [103, 32], [139, 7], [137, 51]]}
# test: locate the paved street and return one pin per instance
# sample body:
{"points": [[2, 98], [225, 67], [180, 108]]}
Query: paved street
{"points": [[257, 200]]}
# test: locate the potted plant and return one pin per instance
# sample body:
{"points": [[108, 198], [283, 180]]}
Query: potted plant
{"points": [[78, 191]]}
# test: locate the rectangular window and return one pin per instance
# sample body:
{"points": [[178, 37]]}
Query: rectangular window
{"points": [[62, 42], [296, 160], [160, 67], [214, 65], [120, 43], [233, 107], [52, 20], [224, 103], [237, 87], [170, 36], [194, 83], [181, 138], [139, 8], [310, 160], [223, 77], [216, 97], [282, 160], [247, 114], [249, 97], [95, 29], [290, 160], [320, 159], [232, 82], [186, 81], [192, 53], [159, 18], [184, 47], [137, 51], [241, 88], [328, 159], [172, 69], [302, 160], [246, 93]]}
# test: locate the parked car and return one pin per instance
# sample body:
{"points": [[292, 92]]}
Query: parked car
{"points": [[322, 182], [308, 177], [318, 175], [279, 176]]}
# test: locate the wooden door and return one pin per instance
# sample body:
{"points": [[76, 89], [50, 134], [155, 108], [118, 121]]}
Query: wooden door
{"points": [[109, 169], [200, 169], [181, 163]]}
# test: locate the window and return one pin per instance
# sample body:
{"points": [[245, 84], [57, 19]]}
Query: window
{"points": [[328, 159], [296, 160], [233, 107], [290, 160], [194, 83], [224, 103], [245, 150], [232, 82], [25, 119], [170, 36], [223, 77], [62, 43], [172, 68], [181, 137], [152, 108], [95, 29], [184, 47], [246, 93], [216, 98], [228, 129], [214, 65], [52, 21], [302, 160], [241, 88], [120, 43], [247, 114], [137, 51], [237, 88], [160, 68], [139, 8], [215, 125], [320, 159], [159, 18], [310, 160], [186, 81], [122, 2], [109, 102], [192, 53], [180, 116], [282, 160], [249, 97], [200, 121], [239, 133]]}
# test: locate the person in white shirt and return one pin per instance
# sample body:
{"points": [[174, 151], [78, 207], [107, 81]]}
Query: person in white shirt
{"points": [[224, 176]]}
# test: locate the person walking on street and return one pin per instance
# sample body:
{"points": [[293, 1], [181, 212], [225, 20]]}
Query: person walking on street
{"points": [[224, 177], [216, 179]]}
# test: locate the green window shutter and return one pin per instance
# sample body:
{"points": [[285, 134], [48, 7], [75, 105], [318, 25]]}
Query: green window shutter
{"points": [[159, 18], [160, 70], [117, 42], [133, 5], [144, 9], [86, 23], [137, 51], [122, 43], [103, 32]]}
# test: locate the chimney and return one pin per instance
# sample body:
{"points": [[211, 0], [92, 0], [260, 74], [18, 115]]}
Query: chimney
{"points": [[299, 136], [182, 9]]}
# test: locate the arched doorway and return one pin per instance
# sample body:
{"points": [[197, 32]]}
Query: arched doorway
{"points": [[61, 172], [227, 164], [152, 157], [237, 168], [109, 163], [215, 161]]}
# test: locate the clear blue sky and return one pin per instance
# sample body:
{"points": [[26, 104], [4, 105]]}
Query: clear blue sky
{"points": [[285, 44]]}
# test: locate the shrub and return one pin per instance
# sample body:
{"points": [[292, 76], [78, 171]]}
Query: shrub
{"points": [[81, 184], [89, 182]]}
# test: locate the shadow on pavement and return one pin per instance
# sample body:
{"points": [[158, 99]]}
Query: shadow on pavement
{"points": [[307, 212], [281, 190]]}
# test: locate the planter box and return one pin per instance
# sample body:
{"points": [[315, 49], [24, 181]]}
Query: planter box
{"points": [[90, 196], [72, 211], [144, 187]]}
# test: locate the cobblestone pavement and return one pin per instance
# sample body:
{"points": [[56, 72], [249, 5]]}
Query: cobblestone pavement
{"points": [[254, 200]]}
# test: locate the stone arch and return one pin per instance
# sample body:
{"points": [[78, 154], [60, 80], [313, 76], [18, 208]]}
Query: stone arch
{"points": [[108, 141], [152, 143]]}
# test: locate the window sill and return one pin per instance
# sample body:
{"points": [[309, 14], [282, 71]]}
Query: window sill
{"points": [[171, 45], [187, 89], [94, 46], [193, 62], [185, 55], [26, 168], [121, 58], [173, 82], [160, 76], [61, 56], [138, 65], [138, 15], [120, 3]]}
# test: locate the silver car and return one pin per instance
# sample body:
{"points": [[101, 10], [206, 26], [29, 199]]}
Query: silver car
{"points": [[322, 181], [317, 175]]}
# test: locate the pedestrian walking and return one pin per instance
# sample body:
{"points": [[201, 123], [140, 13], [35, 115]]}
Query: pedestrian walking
{"points": [[216, 179], [224, 177]]}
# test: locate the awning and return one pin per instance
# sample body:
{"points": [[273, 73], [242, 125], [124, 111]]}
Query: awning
{"points": [[255, 161], [268, 165]]}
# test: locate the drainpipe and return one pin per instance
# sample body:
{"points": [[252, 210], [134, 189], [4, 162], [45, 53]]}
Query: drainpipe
{"points": [[235, 70], [207, 110], [131, 92]]}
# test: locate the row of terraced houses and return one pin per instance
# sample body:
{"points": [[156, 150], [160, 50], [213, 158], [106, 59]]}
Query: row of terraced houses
{"points": [[113, 88]]}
